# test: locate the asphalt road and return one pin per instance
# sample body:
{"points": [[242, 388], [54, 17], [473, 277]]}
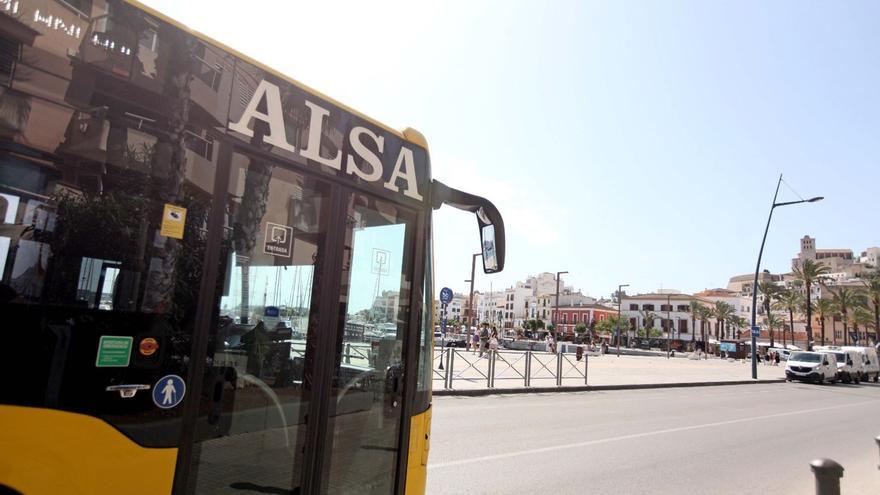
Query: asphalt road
{"points": [[732, 439]]}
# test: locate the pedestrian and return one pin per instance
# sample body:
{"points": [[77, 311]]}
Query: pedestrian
{"points": [[493, 340], [484, 340], [475, 340], [775, 359]]}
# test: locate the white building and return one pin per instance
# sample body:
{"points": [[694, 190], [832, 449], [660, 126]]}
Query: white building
{"points": [[666, 310]]}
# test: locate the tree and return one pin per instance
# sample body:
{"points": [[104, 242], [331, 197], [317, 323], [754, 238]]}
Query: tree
{"points": [[825, 308], [696, 308], [772, 322], [722, 313], [705, 314], [862, 318], [809, 273], [737, 322], [790, 300], [872, 288], [647, 318], [609, 325], [768, 291], [844, 299], [580, 328]]}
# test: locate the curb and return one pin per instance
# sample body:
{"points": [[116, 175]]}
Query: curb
{"points": [[594, 388]]}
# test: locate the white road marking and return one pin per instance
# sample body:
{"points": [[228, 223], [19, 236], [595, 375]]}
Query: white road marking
{"points": [[587, 443]]}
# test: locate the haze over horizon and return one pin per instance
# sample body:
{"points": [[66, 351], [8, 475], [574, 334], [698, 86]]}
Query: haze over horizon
{"points": [[635, 142]]}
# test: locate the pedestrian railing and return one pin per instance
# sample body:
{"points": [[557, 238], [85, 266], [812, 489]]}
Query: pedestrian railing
{"points": [[514, 367]]}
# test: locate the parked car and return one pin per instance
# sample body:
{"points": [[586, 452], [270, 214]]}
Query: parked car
{"points": [[870, 362], [814, 367], [845, 371]]}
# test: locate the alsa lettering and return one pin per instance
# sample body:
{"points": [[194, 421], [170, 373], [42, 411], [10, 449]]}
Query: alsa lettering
{"points": [[371, 169]]}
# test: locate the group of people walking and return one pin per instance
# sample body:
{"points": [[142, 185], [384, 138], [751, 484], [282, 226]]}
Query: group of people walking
{"points": [[771, 358], [484, 341]]}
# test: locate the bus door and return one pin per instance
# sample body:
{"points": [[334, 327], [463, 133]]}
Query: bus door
{"points": [[257, 393], [303, 386], [366, 402]]}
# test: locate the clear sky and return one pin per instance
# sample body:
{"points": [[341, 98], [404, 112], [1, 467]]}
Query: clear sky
{"points": [[623, 141]]}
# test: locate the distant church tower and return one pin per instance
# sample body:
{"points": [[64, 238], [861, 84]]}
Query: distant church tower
{"points": [[808, 248], [808, 252]]}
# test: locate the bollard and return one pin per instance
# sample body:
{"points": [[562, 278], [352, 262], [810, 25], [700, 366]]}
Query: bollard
{"points": [[828, 474], [877, 439], [586, 367]]}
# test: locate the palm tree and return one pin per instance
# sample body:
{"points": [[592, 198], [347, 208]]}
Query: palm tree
{"points": [[768, 290], [722, 312], [737, 322], [872, 287], [789, 300], [772, 322], [809, 273], [696, 310], [844, 299], [862, 317], [705, 314], [647, 321], [825, 307]]}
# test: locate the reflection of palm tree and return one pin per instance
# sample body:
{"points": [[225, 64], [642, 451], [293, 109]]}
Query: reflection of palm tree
{"points": [[15, 110], [175, 61], [250, 214]]}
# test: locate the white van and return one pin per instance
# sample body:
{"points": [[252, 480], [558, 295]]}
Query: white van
{"points": [[870, 362], [845, 371], [814, 367], [855, 369]]}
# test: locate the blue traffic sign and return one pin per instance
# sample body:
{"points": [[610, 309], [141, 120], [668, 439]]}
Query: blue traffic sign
{"points": [[445, 295], [169, 391], [756, 331]]}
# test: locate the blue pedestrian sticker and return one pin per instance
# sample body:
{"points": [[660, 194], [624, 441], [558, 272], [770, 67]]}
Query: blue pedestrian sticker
{"points": [[169, 391]]}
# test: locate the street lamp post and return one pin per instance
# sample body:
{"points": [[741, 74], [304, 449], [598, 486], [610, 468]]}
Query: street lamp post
{"points": [[556, 312], [668, 322], [619, 301], [471, 296], [758, 269]]}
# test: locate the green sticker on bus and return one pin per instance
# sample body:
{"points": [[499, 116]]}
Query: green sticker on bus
{"points": [[113, 351]]}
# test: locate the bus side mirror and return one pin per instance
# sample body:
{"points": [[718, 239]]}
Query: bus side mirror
{"points": [[487, 242], [489, 221]]}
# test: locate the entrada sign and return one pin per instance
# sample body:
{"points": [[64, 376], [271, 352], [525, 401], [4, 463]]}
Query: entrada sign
{"points": [[362, 141]]}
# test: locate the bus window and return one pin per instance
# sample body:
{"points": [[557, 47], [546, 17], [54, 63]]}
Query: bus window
{"points": [[256, 393], [368, 377]]}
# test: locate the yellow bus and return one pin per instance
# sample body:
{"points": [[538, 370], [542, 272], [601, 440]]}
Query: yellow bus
{"points": [[213, 279]]}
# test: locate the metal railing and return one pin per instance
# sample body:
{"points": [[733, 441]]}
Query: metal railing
{"points": [[519, 368]]}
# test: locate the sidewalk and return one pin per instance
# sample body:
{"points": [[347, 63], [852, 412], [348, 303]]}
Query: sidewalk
{"points": [[470, 372]]}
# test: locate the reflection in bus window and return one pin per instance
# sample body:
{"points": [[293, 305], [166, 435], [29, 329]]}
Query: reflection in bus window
{"points": [[368, 377], [258, 388]]}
